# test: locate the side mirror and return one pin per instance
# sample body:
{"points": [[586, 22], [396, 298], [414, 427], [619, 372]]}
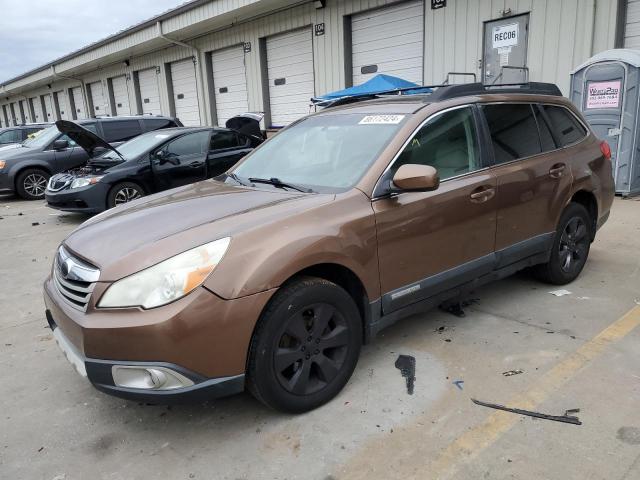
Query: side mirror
{"points": [[60, 144], [412, 177]]}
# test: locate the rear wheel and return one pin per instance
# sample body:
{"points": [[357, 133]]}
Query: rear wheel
{"points": [[32, 183], [305, 347], [123, 193], [571, 245]]}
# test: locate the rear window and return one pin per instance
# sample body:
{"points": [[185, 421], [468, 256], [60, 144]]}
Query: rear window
{"points": [[513, 129], [566, 127], [121, 130], [158, 123]]}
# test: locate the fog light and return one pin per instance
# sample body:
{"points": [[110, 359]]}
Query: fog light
{"points": [[148, 378]]}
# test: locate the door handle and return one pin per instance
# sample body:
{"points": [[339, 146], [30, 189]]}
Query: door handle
{"points": [[196, 164], [482, 194], [557, 170]]}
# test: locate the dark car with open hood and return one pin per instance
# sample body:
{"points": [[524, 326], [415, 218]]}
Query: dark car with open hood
{"points": [[273, 275], [149, 163], [26, 168]]}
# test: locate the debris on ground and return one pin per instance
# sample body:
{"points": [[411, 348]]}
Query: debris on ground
{"points": [[458, 383], [456, 307], [510, 373], [560, 293], [566, 418], [407, 366]]}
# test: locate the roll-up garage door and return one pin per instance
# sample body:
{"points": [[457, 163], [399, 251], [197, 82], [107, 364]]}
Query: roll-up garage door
{"points": [[49, 114], [290, 75], [389, 40], [78, 103], [37, 109], [63, 105], [230, 83], [120, 95], [185, 92], [149, 91], [632, 25], [24, 106], [97, 98]]}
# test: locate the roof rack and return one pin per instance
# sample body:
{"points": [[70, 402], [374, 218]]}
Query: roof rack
{"points": [[445, 92]]}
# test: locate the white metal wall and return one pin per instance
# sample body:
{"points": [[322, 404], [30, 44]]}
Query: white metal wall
{"points": [[37, 109], [49, 114], [632, 26], [563, 33], [25, 109]]}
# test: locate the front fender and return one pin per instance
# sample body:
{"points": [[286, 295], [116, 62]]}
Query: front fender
{"points": [[340, 232]]}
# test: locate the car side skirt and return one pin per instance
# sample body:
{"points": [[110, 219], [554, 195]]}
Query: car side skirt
{"points": [[425, 294]]}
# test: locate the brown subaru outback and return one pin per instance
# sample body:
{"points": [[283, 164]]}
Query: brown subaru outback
{"points": [[272, 276]]}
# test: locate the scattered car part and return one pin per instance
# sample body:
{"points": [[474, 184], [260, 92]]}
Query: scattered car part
{"points": [[566, 418], [510, 373]]}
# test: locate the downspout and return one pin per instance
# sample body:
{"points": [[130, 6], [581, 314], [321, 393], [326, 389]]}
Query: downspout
{"points": [[83, 87], [593, 27], [199, 74]]}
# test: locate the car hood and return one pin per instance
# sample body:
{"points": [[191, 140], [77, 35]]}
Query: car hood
{"points": [[131, 237], [88, 140], [9, 146], [14, 151]]}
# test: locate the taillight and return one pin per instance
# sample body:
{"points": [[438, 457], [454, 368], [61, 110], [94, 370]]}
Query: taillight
{"points": [[605, 149]]}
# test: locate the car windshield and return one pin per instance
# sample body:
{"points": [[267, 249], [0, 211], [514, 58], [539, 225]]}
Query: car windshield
{"points": [[136, 146], [43, 139], [324, 152]]}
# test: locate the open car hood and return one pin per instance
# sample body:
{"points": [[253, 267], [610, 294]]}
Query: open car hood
{"points": [[247, 124], [88, 140]]}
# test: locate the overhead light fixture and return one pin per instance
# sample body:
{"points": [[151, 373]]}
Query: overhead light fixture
{"points": [[49, 86], [127, 63], [319, 3]]}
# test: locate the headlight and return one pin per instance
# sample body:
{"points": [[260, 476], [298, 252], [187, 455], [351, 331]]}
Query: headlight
{"points": [[167, 281], [84, 181], [2, 164]]}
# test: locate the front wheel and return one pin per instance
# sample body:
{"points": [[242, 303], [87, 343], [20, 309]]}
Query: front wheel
{"points": [[32, 183], [305, 346], [124, 193], [570, 249]]}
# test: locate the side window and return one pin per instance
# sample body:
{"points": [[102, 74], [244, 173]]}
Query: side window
{"points": [[546, 138], [189, 144], [224, 139], [448, 142], [157, 123], [120, 130], [71, 142], [10, 136], [513, 129], [565, 125]]}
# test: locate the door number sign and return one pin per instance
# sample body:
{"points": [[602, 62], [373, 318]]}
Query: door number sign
{"points": [[505, 36]]}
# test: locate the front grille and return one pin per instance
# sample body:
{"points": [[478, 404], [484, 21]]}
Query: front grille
{"points": [[74, 279], [59, 182]]}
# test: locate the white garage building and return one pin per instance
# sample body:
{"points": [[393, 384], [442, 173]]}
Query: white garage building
{"points": [[208, 60]]}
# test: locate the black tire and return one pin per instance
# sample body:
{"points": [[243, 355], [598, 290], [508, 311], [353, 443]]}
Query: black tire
{"points": [[570, 249], [124, 192], [291, 373], [32, 183]]}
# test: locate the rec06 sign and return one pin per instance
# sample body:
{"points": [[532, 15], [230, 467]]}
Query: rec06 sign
{"points": [[505, 36]]}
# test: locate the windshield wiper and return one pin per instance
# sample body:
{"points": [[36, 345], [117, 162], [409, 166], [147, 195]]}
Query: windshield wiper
{"points": [[276, 182], [236, 178]]}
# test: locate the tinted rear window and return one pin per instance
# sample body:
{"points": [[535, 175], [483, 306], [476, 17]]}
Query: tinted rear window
{"points": [[546, 139], [513, 129], [221, 140], [121, 130], [566, 127], [158, 123]]}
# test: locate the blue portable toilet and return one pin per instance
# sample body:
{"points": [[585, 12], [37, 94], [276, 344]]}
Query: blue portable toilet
{"points": [[606, 89]]}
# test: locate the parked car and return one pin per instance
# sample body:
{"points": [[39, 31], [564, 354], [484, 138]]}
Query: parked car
{"points": [[149, 163], [20, 133], [26, 169], [272, 276]]}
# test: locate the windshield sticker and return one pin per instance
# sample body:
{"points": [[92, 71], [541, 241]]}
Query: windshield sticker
{"points": [[381, 120]]}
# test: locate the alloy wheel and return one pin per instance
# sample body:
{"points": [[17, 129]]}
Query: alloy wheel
{"points": [[312, 349], [574, 243], [35, 184], [125, 195]]}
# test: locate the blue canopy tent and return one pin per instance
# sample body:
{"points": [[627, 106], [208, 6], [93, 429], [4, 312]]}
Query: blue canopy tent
{"points": [[377, 85]]}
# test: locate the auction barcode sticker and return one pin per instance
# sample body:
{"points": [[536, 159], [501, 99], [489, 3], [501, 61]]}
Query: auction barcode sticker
{"points": [[381, 120]]}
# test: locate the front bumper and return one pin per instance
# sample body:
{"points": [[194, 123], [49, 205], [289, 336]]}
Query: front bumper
{"points": [[89, 199], [201, 337], [6, 183]]}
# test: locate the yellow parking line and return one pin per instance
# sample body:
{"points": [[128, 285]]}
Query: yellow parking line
{"points": [[472, 442]]}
